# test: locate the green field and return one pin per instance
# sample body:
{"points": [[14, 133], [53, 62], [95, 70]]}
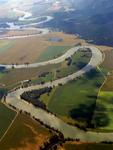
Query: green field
{"points": [[88, 147], [79, 60], [6, 45], [6, 117], [47, 78], [104, 110], [53, 52], [1, 75], [76, 100], [12, 77]]}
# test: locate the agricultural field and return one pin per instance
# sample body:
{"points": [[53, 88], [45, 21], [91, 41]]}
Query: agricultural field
{"points": [[64, 106], [21, 32], [108, 85], [53, 52], [20, 51], [75, 101], [103, 115], [6, 117], [48, 77], [87, 146], [14, 76], [30, 135], [108, 62], [78, 61], [24, 50], [103, 112], [6, 45], [67, 39], [11, 78]]}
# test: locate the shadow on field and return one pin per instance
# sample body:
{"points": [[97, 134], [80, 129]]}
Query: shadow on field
{"points": [[2, 69], [98, 85], [109, 100], [101, 118], [92, 97], [85, 113], [92, 74], [2, 92], [80, 65]]}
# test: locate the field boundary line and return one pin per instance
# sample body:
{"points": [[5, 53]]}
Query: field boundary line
{"points": [[9, 127], [103, 82], [105, 79], [101, 72]]}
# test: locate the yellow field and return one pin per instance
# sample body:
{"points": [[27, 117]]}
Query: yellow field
{"points": [[21, 32], [29, 49]]}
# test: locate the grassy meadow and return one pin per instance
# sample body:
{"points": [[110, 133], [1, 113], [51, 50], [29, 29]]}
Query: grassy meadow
{"points": [[53, 52], [103, 115], [76, 99], [6, 117]]}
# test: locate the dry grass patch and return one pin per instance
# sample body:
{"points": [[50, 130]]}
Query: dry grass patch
{"points": [[21, 32], [68, 39], [25, 134], [108, 86], [30, 49], [107, 55], [24, 50], [108, 62]]}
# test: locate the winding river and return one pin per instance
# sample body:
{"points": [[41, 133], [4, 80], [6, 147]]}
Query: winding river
{"points": [[27, 16], [13, 98], [69, 131]]}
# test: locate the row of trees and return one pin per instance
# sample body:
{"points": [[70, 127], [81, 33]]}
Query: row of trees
{"points": [[16, 64], [69, 61], [51, 144], [55, 139], [34, 96]]}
